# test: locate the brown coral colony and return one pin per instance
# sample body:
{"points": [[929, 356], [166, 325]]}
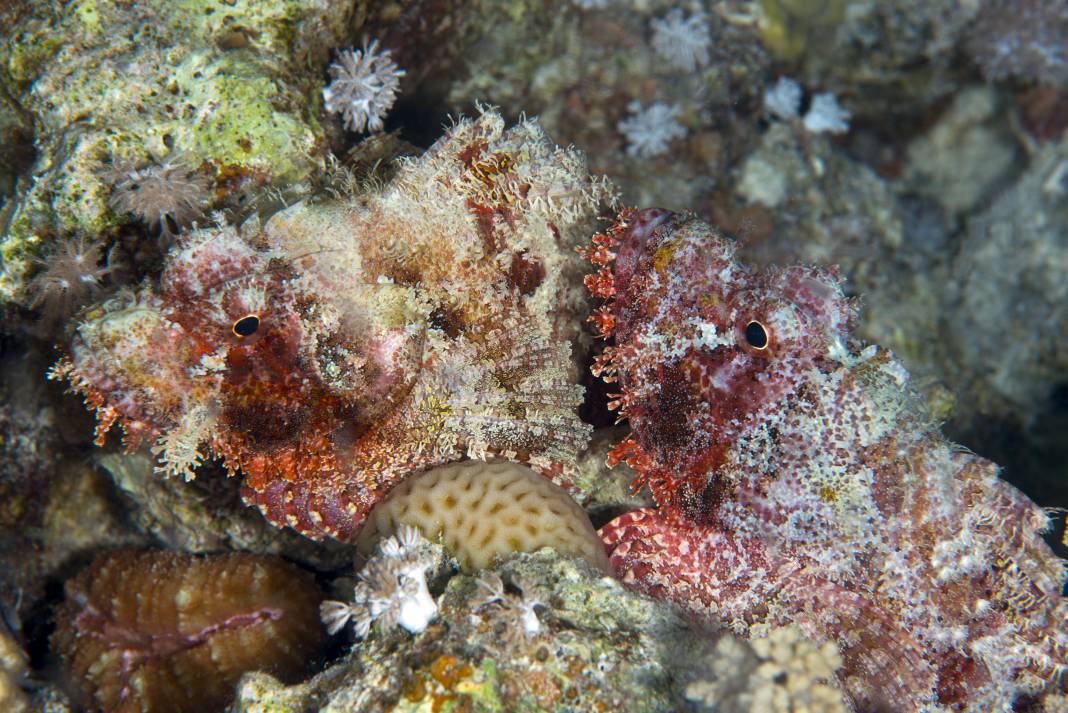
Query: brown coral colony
{"points": [[163, 631]]}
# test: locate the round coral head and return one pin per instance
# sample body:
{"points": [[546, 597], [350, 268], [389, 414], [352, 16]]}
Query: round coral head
{"points": [[164, 632]]}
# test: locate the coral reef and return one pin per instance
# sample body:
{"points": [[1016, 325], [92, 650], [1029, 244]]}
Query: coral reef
{"points": [[1023, 38], [13, 666], [363, 87], [111, 85], [392, 588], [161, 631], [206, 515], [483, 511], [799, 479], [204, 213], [780, 673], [596, 647], [343, 346]]}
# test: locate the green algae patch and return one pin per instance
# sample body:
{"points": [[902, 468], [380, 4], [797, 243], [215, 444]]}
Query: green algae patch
{"points": [[226, 84], [482, 688], [230, 115], [788, 24], [278, 27], [87, 15], [17, 256], [24, 53], [260, 692], [449, 684]]}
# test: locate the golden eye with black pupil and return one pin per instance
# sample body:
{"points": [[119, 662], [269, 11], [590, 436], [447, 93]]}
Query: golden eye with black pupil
{"points": [[756, 335], [246, 326]]}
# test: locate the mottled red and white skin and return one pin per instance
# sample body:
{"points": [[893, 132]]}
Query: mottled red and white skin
{"points": [[799, 480], [347, 344]]}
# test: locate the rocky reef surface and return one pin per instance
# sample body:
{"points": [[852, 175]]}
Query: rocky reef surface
{"points": [[260, 239]]}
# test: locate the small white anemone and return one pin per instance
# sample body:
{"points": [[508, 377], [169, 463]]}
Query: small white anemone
{"points": [[519, 611], [392, 589], [363, 87]]}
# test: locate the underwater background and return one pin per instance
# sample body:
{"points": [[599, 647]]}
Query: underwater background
{"points": [[258, 238]]}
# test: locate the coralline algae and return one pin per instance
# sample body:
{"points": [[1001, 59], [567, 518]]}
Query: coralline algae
{"points": [[213, 86], [595, 647], [345, 345]]}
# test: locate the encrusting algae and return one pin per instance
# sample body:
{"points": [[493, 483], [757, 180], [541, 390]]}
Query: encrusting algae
{"points": [[343, 346]]}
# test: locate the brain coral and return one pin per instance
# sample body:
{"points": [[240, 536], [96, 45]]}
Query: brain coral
{"points": [[162, 632], [345, 345], [482, 511]]}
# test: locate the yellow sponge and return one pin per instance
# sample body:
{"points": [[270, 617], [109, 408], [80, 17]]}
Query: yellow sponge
{"points": [[481, 511]]}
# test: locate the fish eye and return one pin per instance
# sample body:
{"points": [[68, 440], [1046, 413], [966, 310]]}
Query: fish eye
{"points": [[756, 335], [246, 326]]}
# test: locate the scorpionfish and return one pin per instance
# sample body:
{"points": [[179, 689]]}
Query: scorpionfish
{"points": [[800, 480], [346, 344]]}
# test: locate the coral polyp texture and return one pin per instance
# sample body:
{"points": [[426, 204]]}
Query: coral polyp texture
{"points": [[482, 512], [166, 197], [780, 673], [363, 87], [799, 480], [344, 346], [156, 631], [392, 588]]}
